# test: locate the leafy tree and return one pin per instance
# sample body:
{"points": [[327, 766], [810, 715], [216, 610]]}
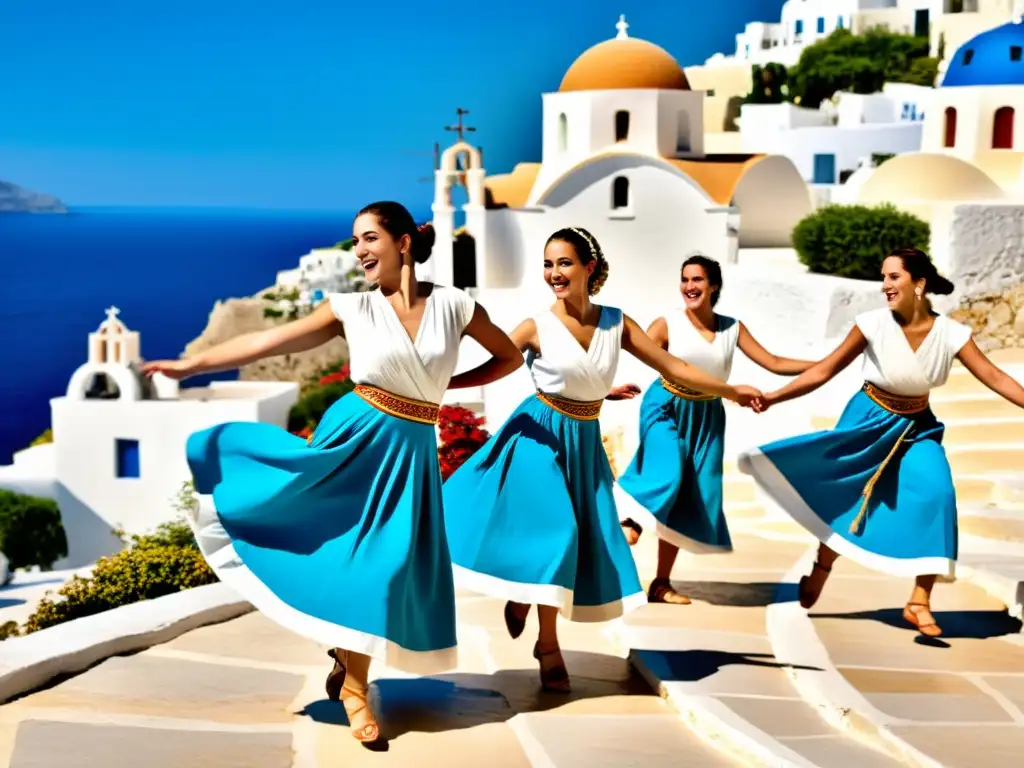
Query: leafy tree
{"points": [[769, 85], [859, 63]]}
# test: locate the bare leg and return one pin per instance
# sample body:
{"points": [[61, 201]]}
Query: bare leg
{"points": [[811, 585], [661, 590], [918, 611], [354, 697], [553, 676]]}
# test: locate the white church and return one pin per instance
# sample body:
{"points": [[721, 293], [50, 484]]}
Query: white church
{"points": [[118, 458]]}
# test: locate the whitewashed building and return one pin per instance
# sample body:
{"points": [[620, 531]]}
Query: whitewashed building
{"points": [[118, 456], [829, 143]]}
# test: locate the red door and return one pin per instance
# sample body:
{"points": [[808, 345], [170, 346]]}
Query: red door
{"points": [[950, 140], [1002, 129]]}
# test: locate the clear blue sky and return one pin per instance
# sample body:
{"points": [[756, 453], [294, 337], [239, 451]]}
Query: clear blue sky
{"points": [[301, 104]]}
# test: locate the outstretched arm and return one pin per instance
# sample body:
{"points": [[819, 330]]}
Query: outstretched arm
{"points": [[505, 356], [821, 372], [990, 375], [638, 344], [317, 328], [656, 332], [784, 366]]}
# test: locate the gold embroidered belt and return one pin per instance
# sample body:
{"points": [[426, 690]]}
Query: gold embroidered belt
{"points": [[574, 409], [685, 392], [901, 405], [396, 405]]}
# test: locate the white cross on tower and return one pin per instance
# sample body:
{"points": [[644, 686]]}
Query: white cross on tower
{"points": [[112, 313], [622, 26]]}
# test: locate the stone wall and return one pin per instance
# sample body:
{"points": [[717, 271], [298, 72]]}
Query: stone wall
{"points": [[997, 319], [235, 317]]}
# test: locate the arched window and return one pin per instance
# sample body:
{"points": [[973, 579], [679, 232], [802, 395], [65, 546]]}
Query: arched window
{"points": [[950, 133], [620, 192], [621, 125], [1002, 129], [563, 132]]}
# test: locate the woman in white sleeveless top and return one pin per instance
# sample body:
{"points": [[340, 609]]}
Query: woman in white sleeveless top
{"points": [[676, 475], [530, 517], [342, 539], [878, 488]]}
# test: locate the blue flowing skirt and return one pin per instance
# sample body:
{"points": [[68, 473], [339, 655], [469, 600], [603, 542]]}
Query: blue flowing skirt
{"points": [[531, 518], [910, 525], [676, 475], [341, 540]]}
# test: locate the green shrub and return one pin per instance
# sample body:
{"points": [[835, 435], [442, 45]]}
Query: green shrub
{"points": [[31, 532], [8, 630], [158, 564], [853, 240], [311, 406]]}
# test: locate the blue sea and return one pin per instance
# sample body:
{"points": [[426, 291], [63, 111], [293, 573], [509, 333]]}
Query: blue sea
{"points": [[163, 268]]}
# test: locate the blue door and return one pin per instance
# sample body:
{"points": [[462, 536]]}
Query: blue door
{"points": [[824, 169]]}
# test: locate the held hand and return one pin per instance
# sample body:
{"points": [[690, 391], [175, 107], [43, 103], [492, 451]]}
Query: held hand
{"points": [[172, 369], [763, 403], [746, 396], [624, 392]]}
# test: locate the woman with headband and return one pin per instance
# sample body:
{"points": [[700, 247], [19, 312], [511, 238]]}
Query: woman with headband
{"points": [[530, 517]]}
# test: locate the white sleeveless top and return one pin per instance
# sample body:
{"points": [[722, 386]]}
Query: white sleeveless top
{"points": [[382, 354], [713, 357], [891, 364], [564, 368]]}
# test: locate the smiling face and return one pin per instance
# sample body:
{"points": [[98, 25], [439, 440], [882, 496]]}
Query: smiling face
{"points": [[899, 287], [694, 286], [378, 252], [564, 272]]}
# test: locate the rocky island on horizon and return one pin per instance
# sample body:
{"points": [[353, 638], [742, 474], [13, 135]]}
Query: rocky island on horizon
{"points": [[15, 199]]}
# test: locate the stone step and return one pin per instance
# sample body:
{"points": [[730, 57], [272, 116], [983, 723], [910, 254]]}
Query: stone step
{"points": [[974, 406], [978, 458], [1001, 574], [991, 431], [991, 522]]}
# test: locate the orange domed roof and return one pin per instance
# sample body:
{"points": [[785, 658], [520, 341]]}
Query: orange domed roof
{"points": [[623, 63]]}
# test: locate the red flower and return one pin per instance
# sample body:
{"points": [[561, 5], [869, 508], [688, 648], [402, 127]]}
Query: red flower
{"points": [[461, 437], [337, 376]]}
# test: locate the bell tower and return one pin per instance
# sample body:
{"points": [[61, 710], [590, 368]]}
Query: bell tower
{"points": [[460, 164]]}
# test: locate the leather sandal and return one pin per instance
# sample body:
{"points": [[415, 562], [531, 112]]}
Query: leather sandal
{"points": [[370, 732], [336, 678], [661, 591], [928, 628], [552, 679], [633, 525], [513, 623], [807, 598]]}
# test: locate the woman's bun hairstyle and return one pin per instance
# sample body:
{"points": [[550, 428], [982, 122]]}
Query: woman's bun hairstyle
{"points": [[423, 242], [397, 221]]}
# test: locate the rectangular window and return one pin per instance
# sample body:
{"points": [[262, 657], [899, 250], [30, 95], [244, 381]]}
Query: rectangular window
{"points": [[1015, 53], [839, 23], [922, 23], [821, 25], [798, 27], [127, 454]]}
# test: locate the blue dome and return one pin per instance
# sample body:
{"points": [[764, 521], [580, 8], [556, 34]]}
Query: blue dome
{"points": [[995, 57]]}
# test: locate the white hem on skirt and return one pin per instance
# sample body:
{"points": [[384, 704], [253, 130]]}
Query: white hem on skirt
{"points": [[630, 507], [775, 484], [545, 594], [230, 569]]}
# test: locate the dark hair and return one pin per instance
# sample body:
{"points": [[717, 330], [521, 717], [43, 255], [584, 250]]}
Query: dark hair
{"points": [[919, 264], [711, 268], [587, 250], [397, 221]]}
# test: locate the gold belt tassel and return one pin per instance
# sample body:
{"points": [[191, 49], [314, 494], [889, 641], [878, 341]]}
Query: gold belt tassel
{"points": [[901, 405]]}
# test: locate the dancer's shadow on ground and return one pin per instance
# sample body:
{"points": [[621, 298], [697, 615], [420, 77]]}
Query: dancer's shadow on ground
{"points": [[956, 625], [695, 665], [757, 594], [463, 700]]}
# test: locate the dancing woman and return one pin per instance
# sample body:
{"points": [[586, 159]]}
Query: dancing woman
{"points": [[878, 488], [342, 540], [676, 474], [530, 517]]}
